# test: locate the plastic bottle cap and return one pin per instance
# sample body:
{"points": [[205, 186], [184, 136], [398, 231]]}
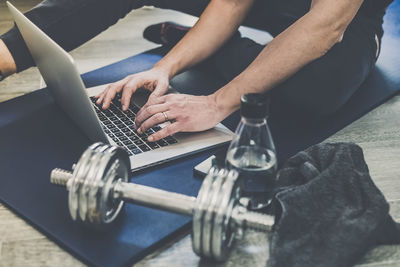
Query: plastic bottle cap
{"points": [[254, 106]]}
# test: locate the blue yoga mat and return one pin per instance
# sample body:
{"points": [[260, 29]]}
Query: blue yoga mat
{"points": [[36, 136]]}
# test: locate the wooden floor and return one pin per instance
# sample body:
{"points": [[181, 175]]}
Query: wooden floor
{"points": [[377, 133]]}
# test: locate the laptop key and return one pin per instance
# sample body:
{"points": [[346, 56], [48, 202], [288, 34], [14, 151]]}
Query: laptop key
{"points": [[118, 112], [143, 135], [127, 142], [134, 138], [152, 145], [119, 134], [135, 109], [107, 112], [162, 143], [131, 146], [156, 128], [138, 142], [149, 131], [144, 148], [131, 116], [136, 151], [170, 140], [123, 138]]}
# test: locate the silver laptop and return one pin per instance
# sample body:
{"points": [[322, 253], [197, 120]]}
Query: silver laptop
{"points": [[112, 126]]}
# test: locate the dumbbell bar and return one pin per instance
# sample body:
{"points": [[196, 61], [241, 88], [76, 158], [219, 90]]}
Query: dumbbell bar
{"points": [[98, 188]]}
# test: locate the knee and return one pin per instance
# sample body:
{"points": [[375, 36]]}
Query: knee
{"points": [[321, 88], [235, 56], [326, 84]]}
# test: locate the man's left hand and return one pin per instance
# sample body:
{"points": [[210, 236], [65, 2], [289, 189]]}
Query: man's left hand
{"points": [[187, 113]]}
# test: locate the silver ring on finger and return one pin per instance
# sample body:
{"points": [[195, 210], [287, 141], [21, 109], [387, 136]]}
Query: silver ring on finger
{"points": [[165, 115]]}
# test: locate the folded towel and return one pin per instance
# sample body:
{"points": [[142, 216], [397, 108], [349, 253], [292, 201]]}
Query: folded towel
{"points": [[328, 210]]}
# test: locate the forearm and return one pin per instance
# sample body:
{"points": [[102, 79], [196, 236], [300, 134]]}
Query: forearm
{"points": [[306, 40], [215, 26], [7, 64]]}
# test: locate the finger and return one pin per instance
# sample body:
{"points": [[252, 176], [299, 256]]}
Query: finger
{"points": [[112, 90], [164, 132], [101, 93], [160, 90], [129, 89], [155, 119], [147, 111], [156, 101], [159, 100], [100, 100]]}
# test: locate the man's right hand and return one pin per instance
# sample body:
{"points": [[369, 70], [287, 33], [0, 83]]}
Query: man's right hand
{"points": [[155, 80]]}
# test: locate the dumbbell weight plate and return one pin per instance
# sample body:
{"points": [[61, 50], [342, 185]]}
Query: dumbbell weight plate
{"points": [[95, 185], [223, 235], [97, 153], [209, 212], [201, 202], [114, 165], [79, 172], [118, 171]]}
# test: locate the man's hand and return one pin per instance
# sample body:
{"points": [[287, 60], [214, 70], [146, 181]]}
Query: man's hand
{"points": [[187, 113], [155, 80]]}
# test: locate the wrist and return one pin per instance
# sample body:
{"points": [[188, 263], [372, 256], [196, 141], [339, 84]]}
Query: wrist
{"points": [[165, 67], [225, 104]]}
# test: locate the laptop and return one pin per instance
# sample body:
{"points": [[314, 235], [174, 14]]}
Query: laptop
{"points": [[112, 125]]}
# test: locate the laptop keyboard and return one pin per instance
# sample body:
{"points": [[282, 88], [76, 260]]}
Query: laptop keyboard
{"points": [[118, 125]]}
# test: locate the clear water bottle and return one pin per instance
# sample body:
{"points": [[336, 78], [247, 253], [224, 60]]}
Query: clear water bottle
{"points": [[252, 151]]}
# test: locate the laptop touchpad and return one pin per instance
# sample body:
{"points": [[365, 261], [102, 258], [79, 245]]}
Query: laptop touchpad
{"points": [[141, 95], [139, 98]]}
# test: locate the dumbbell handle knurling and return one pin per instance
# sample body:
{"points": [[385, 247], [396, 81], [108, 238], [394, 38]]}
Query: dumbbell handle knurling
{"points": [[170, 201]]}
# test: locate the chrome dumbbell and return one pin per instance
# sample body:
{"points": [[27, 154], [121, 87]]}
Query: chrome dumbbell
{"points": [[98, 188]]}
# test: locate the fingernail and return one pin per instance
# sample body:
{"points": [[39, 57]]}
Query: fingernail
{"points": [[150, 138], [139, 130]]}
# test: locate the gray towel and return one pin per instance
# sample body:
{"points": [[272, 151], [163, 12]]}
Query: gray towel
{"points": [[328, 210]]}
